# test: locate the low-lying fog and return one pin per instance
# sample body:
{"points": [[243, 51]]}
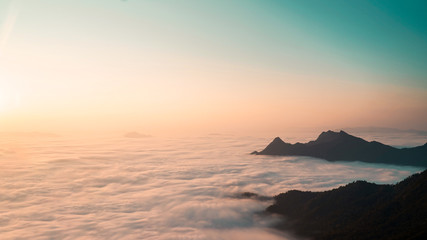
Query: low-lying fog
{"points": [[154, 188]]}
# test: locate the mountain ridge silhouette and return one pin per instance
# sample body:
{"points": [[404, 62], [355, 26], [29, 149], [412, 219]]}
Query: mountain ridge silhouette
{"points": [[341, 146], [358, 210]]}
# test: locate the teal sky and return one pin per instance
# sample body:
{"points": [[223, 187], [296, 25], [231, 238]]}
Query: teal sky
{"points": [[385, 38], [54, 52]]}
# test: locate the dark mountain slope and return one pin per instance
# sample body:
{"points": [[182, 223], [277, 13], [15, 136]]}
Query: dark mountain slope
{"points": [[341, 146], [359, 210]]}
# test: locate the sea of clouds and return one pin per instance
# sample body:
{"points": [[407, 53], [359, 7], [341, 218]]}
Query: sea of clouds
{"points": [[156, 188]]}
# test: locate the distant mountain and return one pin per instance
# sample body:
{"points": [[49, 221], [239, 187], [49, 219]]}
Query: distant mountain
{"points": [[359, 210], [387, 130], [341, 146], [136, 135]]}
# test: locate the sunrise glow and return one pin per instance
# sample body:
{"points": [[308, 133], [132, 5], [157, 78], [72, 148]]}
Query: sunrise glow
{"points": [[165, 67]]}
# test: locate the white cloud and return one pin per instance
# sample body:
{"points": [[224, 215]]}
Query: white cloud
{"points": [[155, 188]]}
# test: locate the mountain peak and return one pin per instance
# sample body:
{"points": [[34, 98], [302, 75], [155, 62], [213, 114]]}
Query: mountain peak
{"points": [[277, 140], [331, 135], [275, 146]]}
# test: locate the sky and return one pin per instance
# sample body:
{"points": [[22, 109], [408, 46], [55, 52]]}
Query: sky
{"points": [[252, 67]]}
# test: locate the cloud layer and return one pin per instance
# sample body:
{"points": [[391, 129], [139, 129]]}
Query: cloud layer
{"points": [[151, 188]]}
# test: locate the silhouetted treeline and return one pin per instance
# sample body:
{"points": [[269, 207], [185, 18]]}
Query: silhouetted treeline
{"points": [[359, 210]]}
